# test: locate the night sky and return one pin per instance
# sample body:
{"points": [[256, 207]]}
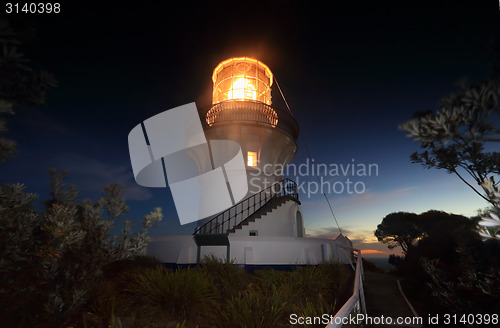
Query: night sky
{"points": [[351, 74]]}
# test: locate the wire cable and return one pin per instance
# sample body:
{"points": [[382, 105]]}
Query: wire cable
{"points": [[282, 95], [302, 137]]}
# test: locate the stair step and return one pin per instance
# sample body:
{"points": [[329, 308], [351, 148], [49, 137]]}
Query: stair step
{"points": [[270, 204], [273, 205]]}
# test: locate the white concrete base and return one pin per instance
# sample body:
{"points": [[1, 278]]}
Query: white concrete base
{"points": [[253, 250]]}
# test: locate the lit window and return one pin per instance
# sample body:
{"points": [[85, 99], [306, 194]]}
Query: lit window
{"points": [[252, 158]]}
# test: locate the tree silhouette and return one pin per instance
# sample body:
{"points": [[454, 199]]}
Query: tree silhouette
{"points": [[51, 260], [454, 137], [399, 229], [19, 84], [450, 262]]}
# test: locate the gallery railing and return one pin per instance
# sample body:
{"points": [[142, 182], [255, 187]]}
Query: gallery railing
{"points": [[250, 112]]}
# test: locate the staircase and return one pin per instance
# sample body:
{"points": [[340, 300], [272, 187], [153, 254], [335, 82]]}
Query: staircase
{"points": [[263, 201], [215, 232], [270, 206]]}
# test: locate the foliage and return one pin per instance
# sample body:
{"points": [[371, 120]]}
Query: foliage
{"points": [[51, 259], [310, 310], [454, 137], [225, 276], [318, 285], [303, 283], [274, 295], [461, 271], [489, 226], [168, 295], [438, 234], [452, 263], [399, 229], [369, 266], [144, 293], [472, 283], [251, 310], [115, 278], [19, 83], [396, 260]]}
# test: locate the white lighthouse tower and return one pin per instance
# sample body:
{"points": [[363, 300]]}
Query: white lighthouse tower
{"points": [[241, 111], [266, 227]]}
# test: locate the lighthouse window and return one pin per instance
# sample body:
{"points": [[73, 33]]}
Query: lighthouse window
{"points": [[252, 158]]}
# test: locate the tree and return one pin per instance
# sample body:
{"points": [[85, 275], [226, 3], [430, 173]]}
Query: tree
{"points": [[460, 270], [470, 283], [19, 84], [399, 229], [451, 262], [489, 226], [51, 261], [454, 137]]}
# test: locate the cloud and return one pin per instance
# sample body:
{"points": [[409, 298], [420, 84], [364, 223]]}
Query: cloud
{"points": [[376, 248], [345, 203], [369, 198], [374, 252], [326, 232], [363, 240]]}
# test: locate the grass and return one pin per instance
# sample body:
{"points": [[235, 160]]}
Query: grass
{"points": [[143, 293]]}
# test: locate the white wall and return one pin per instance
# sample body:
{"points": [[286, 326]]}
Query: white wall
{"points": [[250, 250], [280, 222]]}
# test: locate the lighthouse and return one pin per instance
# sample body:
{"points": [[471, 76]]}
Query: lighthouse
{"points": [[266, 227], [242, 111]]}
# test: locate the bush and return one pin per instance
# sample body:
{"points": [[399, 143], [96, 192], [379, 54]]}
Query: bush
{"points": [[107, 297], [369, 266], [273, 295], [453, 264], [251, 309], [51, 260], [319, 287], [226, 277], [153, 296], [163, 295], [340, 280]]}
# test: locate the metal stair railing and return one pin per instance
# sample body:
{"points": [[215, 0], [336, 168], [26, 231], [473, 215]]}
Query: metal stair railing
{"points": [[234, 215]]}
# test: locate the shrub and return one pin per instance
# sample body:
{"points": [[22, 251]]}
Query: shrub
{"points": [[308, 287], [251, 309], [308, 309], [149, 295], [107, 297], [273, 295], [226, 277], [165, 295], [51, 260], [369, 266]]}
